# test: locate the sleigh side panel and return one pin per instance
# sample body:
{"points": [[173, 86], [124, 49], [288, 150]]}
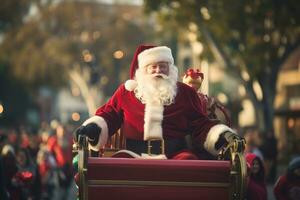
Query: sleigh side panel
{"points": [[122, 178]]}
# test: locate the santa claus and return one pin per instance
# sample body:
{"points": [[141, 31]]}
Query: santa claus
{"points": [[154, 105]]}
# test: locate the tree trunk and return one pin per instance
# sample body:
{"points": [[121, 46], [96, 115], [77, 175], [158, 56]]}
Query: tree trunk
{"points": [[267, 101], [88, 93], [224, 60]]}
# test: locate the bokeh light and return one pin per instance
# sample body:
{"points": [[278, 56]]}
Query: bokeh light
{"points": [[1, 108], [75, 116], [118, 54]]}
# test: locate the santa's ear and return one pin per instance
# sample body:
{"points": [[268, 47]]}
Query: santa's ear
{"points": [[130, 85]]}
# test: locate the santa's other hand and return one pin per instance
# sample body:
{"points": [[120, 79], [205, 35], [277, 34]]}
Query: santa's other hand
{"points": [[92, 131], [226, 138]]}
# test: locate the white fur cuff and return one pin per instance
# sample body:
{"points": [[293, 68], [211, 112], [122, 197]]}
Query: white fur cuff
{"points": [[104, 131], [213, 136]]}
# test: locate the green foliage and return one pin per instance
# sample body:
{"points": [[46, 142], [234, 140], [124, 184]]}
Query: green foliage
{"points": [[41, 50], [256, 36], [34, 57], [14, 98], [12, 13], [13, 95], [254, 33]]}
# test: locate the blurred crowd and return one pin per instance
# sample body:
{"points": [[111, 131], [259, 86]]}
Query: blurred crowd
{"points": [[262, 163], [37, 165]]}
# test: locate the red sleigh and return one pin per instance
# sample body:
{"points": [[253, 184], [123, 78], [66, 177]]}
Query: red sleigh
{"points": [[136, 179]]}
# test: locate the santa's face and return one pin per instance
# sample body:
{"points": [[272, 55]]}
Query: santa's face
{"points": [[157, 83], [157, 69]]}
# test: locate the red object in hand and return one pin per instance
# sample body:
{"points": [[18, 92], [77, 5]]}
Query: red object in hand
{"points": [[24, 176], [194, 74]]}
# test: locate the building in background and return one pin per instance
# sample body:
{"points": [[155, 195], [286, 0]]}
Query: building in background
{"points": [[287, 107]]}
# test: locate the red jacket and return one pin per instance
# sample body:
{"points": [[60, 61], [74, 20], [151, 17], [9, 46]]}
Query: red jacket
{"points": [[285, 189], [256, 188], [62, 154], [287, 186]]}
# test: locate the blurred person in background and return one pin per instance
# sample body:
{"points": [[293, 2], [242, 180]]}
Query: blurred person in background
{"points": [[24, 138], [10, 169], [256, 185], [30, 141], [29, 177], [3, 191], [60, 145], [287, 186], [3, 139], [46, 163], [12, 137], [47, 170], [253, 142], [269, 150]]}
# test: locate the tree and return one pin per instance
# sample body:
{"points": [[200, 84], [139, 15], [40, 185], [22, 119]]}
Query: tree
{"points": [[13, 95], [9, 19], [74, 42], [252, 39]]}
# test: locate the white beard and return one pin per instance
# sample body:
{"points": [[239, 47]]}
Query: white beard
{"points": [[153, 90]]}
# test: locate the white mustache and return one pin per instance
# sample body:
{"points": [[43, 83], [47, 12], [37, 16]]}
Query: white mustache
{"points": [[161, 75]]}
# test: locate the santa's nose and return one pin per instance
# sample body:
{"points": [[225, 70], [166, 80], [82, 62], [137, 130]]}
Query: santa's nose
{"points": [[158, 69]]}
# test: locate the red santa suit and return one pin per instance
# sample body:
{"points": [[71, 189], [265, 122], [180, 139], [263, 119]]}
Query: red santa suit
{"points": [[141, 121]]}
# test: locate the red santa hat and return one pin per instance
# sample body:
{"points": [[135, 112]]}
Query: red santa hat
{"points": [[145, 55]]}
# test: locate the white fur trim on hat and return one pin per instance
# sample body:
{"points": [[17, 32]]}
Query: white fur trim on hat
{"points": [[130, 85], [153, 121], [213, 136], [104, 131], [155, 54]]}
